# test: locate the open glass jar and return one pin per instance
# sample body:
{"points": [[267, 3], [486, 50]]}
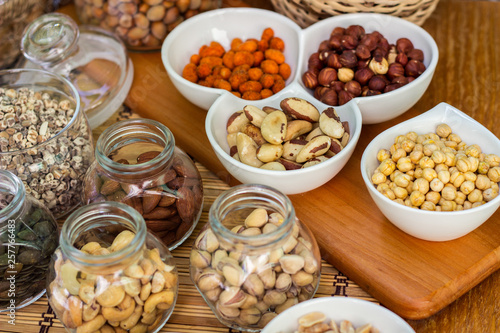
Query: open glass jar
{"points": [[110, 271], [45, 138], [137, 163], [28, 237], [142, 24], [254, 259]]}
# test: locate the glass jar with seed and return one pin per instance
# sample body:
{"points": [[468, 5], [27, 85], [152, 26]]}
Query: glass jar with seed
{"points": [[137, 163], [28, 237]]}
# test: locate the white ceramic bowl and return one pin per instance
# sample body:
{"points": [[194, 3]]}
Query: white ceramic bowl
{"points": [[290, 181], [429, 225], [358, 312], [223, 25]]}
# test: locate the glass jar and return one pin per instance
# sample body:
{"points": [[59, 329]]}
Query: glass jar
{"points": [[142, 24], [254, 259], [28, 237], [138, 163], [45, 138], [110, 271], [94, 60]]}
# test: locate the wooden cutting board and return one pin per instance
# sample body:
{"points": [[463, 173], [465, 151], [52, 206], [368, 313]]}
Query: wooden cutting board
{"points": [[412, 277]]}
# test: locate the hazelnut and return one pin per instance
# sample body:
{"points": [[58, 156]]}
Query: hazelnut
{"points": [[330, 97], [355, 30], [395, 70], [379, 67], [314, 63], [326, 76], [378, 54], [370, 92], [363, 63], [323, 56], [345, 74], [349, 42], [363, 52], [338, 31], [310, 79], [410, 79], [384, 45], [363, 75], [334, 61], [353, 87], [344, 97], [335, 42], [370, 41], [414, 68], [323, 46], [392, 86], [416, 54], [348, 59], [404, 45], [400, 79], [377, 83], [319, 91], [402, 59], [391, 56], [338, 86]]}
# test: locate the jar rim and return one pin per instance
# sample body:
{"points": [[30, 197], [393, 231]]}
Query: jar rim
{"points": [[90, 214], [115, 131], [69, 125], [253, 242], [19, 194]]}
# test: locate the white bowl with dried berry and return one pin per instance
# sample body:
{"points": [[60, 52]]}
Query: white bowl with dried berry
{"points": [[290, 141], [337, 314], [434, 176], [382, 62]]}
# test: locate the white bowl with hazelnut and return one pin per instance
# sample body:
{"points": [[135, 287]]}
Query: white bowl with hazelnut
{"points": [[434, 176], [330, 137], [346, 313]]}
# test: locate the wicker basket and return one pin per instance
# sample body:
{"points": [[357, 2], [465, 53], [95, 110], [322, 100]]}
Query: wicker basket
{"points": [[307, 12]]}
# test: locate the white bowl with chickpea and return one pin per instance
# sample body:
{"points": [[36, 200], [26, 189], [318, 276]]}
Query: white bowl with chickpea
{"points": [[434, 176]]}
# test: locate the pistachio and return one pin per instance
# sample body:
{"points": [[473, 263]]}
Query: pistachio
{"points": [[286, 305], [257, 218], [200, 259], [233, 274], [283, 282], [291, 263], [250, 316], [232, 297], [274, 297], [209, 279], [301, 278], [254, 285], [207, 241]]}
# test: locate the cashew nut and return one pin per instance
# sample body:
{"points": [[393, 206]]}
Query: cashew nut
{"points": [[75, 309], [154, 255], [138, 300], [134, 271], [109, 295], [131, 286], [157, 322], [133, 319], [148, 318], [170, 280], [91, 247], [92, 326], [68, 274], [115, 324], [163, 306], [148, 269], [90, 311], [139, 328], [123, 239], [145, 292], [158, 282], [118, 329], [67, 320], [86, 291], [59, 297], [121, 312], [107, 329], [166, 296]]}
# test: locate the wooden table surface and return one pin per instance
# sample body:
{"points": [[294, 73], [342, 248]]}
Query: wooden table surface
{"points": [[467, 77]]}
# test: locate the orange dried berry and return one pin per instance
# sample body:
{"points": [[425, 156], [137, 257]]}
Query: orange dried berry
{"points": [[278, 85], [222, 84], [237, 78], [269, 66], [225, 73], [262, 45], [235, 43], [210, 80], [258, 56], [189, 73], [249, 45], [211, 61], [228, 59], [217, 48], [195, 59], [267, 80], [250, 86], [204, 83], [277, 43], [203, 70], [236, 93], [243, 58], [276, 55], [285, 71], [265, 93], [267, 34], [202, 48], [251, 95], [255, 73]]}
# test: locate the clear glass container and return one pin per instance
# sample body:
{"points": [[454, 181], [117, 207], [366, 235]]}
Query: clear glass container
{"points": [[138, 163], [28, 237], [91, 58], [45, 138], [254, 259], [142, 24], [110, 271]]}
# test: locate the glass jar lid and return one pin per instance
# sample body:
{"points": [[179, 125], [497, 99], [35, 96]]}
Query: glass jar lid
{"points": [[93, 59]]}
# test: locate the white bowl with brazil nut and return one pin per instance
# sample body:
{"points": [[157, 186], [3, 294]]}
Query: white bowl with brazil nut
{"points": [[289, 181], [359, 312], [223, 25], [431, 225]]}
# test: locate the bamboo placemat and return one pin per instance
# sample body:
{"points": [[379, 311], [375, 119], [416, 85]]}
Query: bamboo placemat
{"points": [[191, 314]]}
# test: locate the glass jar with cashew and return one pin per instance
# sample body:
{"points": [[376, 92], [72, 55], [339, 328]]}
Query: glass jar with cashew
{"points": [[254, 259], [110, 273], [437, 172]]}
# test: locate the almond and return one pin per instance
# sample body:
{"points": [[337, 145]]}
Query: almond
{"points": [[166, 201], [109, 187], [162, 225], [150, 200], [147, 156], [160, 213]]}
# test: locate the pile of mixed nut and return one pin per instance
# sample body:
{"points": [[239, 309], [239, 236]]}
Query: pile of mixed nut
{"points": [[293, 137], [44, 146]]}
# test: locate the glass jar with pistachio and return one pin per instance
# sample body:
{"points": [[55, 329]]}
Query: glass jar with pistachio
{"points": [[254, 259], [110, 273], [137, 163], [28, 237]]}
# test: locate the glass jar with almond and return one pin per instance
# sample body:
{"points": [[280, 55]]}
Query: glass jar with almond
{"points": [[137, 163]]}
